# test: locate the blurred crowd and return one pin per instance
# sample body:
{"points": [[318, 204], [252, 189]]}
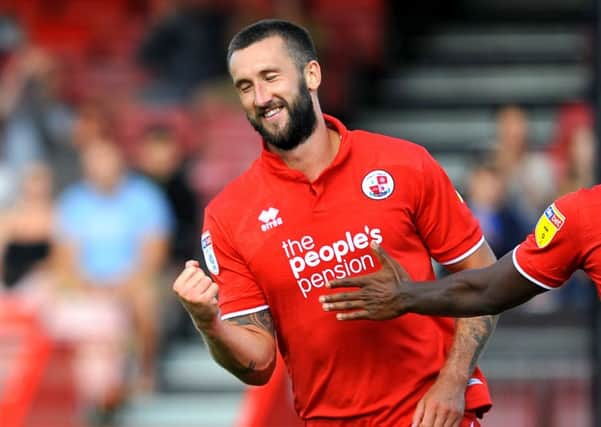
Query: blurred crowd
{"points": [[509, 187], [117, 126]]}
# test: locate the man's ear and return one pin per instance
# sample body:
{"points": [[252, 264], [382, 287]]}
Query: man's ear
{"points": [[313, 75]]}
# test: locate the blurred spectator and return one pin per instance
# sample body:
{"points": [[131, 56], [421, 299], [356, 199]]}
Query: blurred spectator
{"points": [[184, 48], [94, 121], [160, 158], [112, 237], [94, 329], [487, 199], [574, 149], [26, 227], [36, 120], [159, 155], [581, 160], [527, 174]]}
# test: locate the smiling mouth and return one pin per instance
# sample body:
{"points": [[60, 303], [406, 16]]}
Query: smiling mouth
{"points": [[272, 112]]}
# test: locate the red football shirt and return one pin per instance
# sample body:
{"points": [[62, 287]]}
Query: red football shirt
{"points": [[567, 237], [272, 239]]}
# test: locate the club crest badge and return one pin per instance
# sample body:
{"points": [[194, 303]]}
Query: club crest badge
{"points": [[548, 225], [209, 253], [378, 185]]}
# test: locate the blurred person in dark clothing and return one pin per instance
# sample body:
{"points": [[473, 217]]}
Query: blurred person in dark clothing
{"points": [[184, 48], [526, 172], [487, 198], [160, 157], [26, 227]]}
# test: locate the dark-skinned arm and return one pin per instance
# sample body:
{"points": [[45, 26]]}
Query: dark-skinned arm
{"points": [[489, 290]]}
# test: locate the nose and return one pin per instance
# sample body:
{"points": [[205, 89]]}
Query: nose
{"points": [[262, 96]]}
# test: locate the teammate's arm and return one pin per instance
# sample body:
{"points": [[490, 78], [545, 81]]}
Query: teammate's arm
{"points": [[489, 290], [243, 345], [390, 292]]}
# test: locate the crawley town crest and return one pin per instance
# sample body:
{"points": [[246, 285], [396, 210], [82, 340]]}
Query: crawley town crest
{"points": [[377, 185]]}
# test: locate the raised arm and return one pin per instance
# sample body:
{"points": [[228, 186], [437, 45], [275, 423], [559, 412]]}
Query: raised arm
{"points": [[244, 345]]}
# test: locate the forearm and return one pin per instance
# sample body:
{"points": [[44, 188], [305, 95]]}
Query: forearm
{"points": [[457, 295], [471, 336], [488, 290], [246, 351]]}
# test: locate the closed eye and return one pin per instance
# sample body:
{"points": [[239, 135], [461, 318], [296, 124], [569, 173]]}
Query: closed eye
{"points": [[271, 77]]}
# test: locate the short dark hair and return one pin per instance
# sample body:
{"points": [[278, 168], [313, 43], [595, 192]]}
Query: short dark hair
{"points": [[297, 39]]}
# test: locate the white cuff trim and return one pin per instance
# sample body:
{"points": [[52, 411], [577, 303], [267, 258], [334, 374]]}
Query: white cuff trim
{"points": [[526, 275], [474, 381], [465, 255], [244, 312]]}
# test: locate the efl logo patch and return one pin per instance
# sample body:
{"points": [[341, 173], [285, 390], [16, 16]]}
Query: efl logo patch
{"points": [[548, 225], [377, 185], [209, 253]]}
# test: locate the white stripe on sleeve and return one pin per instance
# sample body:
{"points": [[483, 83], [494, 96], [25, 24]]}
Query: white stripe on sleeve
{"points": [[526, 275], [465, 255], [244, 312]]}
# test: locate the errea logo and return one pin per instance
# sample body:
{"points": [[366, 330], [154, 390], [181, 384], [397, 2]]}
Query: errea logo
{"points": [[270, 219]]}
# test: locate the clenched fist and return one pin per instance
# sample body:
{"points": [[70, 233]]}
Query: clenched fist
{"points": [[198, 294]]}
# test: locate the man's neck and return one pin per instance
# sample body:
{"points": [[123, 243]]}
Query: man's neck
{"points": [[314, 155]]}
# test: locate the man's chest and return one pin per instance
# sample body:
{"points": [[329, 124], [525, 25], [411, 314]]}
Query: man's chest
{"points": [[294, 244]]}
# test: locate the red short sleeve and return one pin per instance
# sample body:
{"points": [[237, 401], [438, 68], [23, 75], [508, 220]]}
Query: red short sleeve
{"points": [[444, 221], [550, 254], [239, 294]]}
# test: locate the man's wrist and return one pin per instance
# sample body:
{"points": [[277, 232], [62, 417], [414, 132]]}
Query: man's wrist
{"points": [[209, 327], [404, 298], [454, 376]]}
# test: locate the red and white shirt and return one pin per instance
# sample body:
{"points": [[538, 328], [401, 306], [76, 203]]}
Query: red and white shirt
{"points": [[272, 239], [567, 237]]}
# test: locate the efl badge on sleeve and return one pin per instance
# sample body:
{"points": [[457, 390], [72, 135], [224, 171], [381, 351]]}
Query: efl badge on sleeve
{"points": [[377, 185], [548, 225], [209, 253]]}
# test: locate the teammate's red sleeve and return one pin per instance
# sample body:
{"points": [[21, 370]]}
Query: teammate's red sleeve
{"points": [[550, 254], [239, 293], [444, 221]]}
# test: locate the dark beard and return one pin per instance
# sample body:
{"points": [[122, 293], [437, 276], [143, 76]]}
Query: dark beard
{"points": [[301, 122]]}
